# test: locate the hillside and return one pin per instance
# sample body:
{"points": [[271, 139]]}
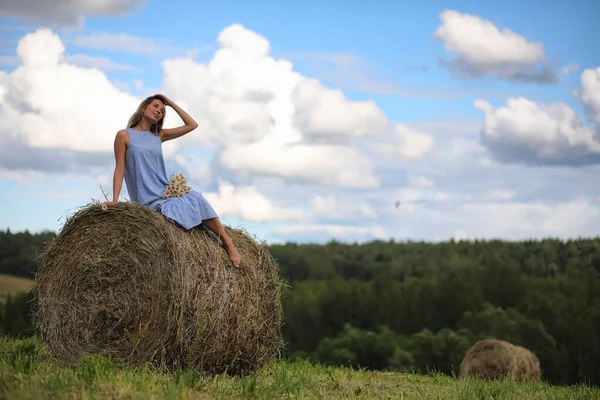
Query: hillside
{"points": [[12, 284], [26, 372], [415, 306]]}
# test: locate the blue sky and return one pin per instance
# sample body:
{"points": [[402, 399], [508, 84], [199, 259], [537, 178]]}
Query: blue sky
{"points": [[407, 125]]}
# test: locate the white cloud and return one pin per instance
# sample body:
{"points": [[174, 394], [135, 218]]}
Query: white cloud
{"points": [[501, 194], [270, 120], [569, 68], [53, 104], [236, 37], [455, 143], [138, 84], [261, 136], [105, 180], [480, 219], [22, 176], [410, 195], [353, 72], [261, 117], [117, 42], [321, 232], [407, 143], [322, 164], [87, 61], [590, 92], [331, 207], [482, 49], [323, 112], [407, 195], [421, 181], [248, 203], [53, 195], [229, 97], [524, 131], [66, 12], [546, 134], [57, 115], [197, 169], [530, 220], [412, 144]]}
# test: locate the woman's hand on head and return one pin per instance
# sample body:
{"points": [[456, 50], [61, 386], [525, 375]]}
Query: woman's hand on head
{"points": [[165, 100]]}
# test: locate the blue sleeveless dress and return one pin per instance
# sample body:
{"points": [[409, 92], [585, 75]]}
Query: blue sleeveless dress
{"points": [[146, 179]]}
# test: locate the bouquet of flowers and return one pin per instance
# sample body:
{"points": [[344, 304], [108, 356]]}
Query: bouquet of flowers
{"points": [[177, 187]]}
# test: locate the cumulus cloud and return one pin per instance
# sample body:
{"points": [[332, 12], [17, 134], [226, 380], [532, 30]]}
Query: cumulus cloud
{"points": [[531, 220], [408, 143], [488, 211], [421, 181], [196, 167], [500, 218], [66, 12], [58, 105], [16, 155], [589, 93], [501, 194], [331, 207], [319, 164], [326, 113], [261, 117], [569, 68], [323, 232], [350, 71], [410, 195], [271, 121], [117, 42], [84, 60], [547, 134], [57, 115], [249, 204], [482, 49], [551, 134]]}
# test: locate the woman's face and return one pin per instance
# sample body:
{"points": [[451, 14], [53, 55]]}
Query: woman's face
{"points": [[155, 111]]}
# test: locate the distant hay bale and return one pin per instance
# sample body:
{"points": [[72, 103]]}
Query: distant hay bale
{"points": [[129, 283], [495, 359]]}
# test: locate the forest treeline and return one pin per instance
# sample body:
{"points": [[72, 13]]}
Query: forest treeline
{"points": [[416, 306]]}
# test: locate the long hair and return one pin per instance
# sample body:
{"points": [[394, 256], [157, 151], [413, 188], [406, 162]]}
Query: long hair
{"points": [[137, 115]]}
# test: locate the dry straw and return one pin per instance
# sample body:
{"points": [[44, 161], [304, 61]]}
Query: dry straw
{"points": [[128, 283], [496, 359]]}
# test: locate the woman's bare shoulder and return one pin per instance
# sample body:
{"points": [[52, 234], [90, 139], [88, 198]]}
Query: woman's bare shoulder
{"points": [[123, 133], [122, 137]]}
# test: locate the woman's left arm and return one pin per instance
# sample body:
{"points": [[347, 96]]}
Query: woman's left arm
{"points": [[174, 133]]}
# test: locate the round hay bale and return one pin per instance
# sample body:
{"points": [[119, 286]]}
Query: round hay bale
{"points": [[128, 283], [496, 359]]}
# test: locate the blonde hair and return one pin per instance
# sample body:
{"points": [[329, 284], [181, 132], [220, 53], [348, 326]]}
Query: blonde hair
{"points": [[137, 115]]}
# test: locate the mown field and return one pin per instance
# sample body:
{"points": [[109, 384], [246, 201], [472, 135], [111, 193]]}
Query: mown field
{"points": [[12, 285], [28, 372]]}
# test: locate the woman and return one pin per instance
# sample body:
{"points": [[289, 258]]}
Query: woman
{"points": [[139, 160]]}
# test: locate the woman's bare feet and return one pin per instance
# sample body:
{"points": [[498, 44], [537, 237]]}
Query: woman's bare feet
{"points": [[214, 224]]}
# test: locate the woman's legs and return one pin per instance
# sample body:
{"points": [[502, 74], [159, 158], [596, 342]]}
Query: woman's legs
{"points": [[215, 226]]}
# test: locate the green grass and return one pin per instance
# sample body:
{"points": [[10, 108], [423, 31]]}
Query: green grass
{"points": [[27, 372]]}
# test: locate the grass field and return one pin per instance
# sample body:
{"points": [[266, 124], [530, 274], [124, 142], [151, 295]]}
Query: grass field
{"points": [[27, 372], [12, 284]]}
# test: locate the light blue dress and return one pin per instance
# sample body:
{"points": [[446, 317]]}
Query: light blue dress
{"points": [[146, 179]]}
